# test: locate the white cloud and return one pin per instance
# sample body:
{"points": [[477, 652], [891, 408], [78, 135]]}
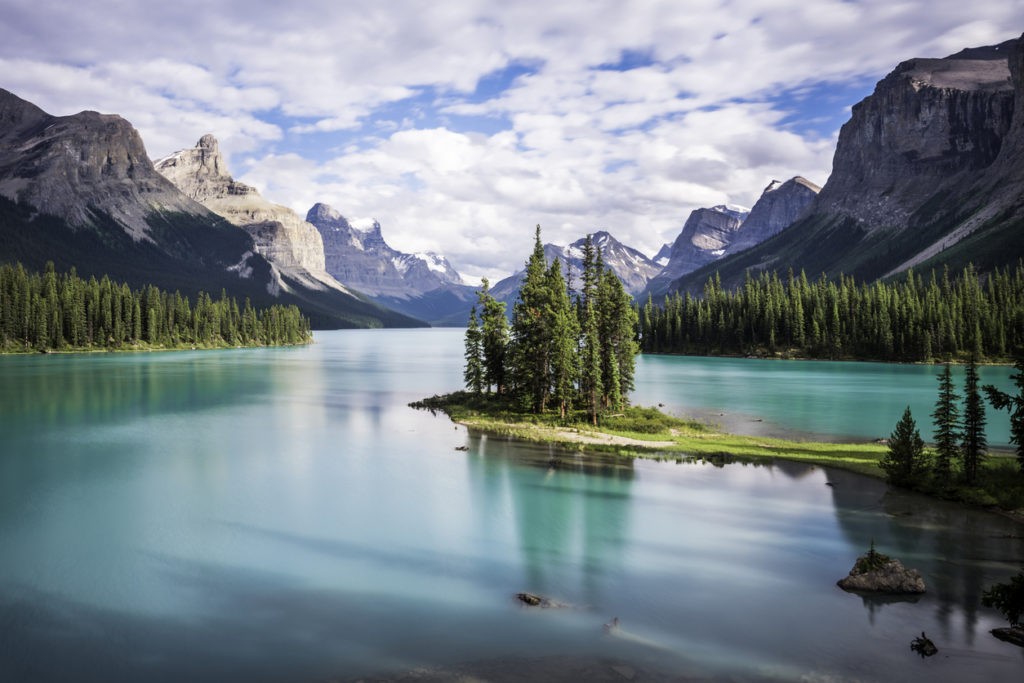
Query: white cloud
{"points": [[371, 106]]}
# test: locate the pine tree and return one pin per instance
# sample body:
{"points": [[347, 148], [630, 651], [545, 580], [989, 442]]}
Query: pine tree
{"points": [[974, 441], [494, 337], [474, 372], [904, 464], [531, 333], [565, 339], [947, 427], [1001, 400]]}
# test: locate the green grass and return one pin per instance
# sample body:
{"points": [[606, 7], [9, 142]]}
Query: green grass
{"points": [[653, 434]]}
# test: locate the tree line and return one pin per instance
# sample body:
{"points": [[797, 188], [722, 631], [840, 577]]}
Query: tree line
{"points": [[565, 349], [913, 319], [61, 311], [960, 444]]}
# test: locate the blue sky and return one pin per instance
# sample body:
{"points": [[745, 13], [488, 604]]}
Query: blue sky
{"points": [[461, 125]]}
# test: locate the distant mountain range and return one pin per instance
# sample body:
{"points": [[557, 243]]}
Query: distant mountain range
{"points": [[928, 171]]}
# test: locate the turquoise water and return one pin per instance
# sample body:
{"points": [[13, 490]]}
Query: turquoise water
{"points": [[283, 515]]}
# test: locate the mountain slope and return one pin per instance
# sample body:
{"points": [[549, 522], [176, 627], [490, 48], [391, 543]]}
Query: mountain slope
{"points": [[423, 285], [81, 191], [928, 171]]}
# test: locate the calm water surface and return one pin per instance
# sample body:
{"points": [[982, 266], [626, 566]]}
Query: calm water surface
{"points": [[282, 515]]}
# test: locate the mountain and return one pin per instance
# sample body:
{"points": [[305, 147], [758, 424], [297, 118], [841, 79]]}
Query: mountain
{"points": [[81, 191], [423, 285], [632, 267], [778, 207], [928, 171], [290, 244], [704, 238]]}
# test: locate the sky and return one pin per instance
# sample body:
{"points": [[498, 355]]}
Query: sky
{"points": [[460, 125]]}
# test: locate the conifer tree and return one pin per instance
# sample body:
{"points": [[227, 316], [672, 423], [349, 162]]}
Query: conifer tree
{"points": [[974, 441], [531, 333], [1001, 400], [904, 464], [565, 335], [474, 372], [494, 337], [946, 419]]}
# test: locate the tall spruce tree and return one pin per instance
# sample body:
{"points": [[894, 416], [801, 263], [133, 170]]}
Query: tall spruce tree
{"points": [[493, 337], [591, 383], [946, 419], [532, 333], [564, 354], [474, 372], [1001, 400], [974, 442], [904, 464]]}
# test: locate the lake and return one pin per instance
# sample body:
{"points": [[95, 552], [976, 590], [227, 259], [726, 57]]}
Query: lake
{"points": [[281, 514]]}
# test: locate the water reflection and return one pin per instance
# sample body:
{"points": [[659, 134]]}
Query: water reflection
{"points": [[959, 551]]}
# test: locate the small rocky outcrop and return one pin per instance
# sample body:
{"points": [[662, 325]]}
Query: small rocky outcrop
{"points": [[1013, 634], [877, 573], [923, 646], [535, 600]]}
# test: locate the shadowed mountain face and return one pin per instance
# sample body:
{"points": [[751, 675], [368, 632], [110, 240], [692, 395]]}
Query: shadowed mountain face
{"points": [[81, 191], [929, 170]]}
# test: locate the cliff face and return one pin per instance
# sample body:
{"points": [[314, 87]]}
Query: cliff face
{"points": [[361, 259], [930, 122], [704, 238], [928, 171], [82, 166], [779, 206], [288, 242]]}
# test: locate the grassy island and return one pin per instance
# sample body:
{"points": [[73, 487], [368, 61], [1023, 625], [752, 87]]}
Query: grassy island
{"points": [[650, 433]]}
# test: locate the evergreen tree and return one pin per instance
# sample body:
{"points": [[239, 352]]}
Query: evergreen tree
{"points": [[565, 335], [946, 419], [493, 337], [532, 334], [974, 441], [474, 372], [904, 464], [1001, 400]]}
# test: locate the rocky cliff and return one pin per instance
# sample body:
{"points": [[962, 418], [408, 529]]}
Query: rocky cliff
{"points": [[928, 171], [778, 207], [423, 285], [291, 244], [704, 238], [363, 260], [83, 169]]}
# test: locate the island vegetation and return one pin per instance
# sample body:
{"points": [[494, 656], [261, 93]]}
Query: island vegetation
{"points": [[916, 319], [53, 311], [561, 373]]}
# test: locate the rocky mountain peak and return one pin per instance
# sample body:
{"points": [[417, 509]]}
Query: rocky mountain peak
{"points": [[780, 205], [81, 168], [321, 214], [288, 242]]}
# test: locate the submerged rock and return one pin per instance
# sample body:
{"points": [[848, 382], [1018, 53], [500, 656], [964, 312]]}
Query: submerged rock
{"points": [[1014, 635], [877, 573], [534, 600]]}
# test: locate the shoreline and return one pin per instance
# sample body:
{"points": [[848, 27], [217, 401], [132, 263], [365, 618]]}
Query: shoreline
{"points": [[678, 439], [1005, 362], [148, 349]]}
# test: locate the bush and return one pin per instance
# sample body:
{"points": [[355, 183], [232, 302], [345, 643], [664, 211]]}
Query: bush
{"points": [[1007, 598]]}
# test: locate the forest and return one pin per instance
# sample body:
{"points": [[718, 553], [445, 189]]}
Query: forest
{"points": [[53, 311], [560, 352], [914, 319]]}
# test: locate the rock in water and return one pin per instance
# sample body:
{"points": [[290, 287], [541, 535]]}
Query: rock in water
{"points": [[923, 646], [888, 576], [1014, 635]]}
